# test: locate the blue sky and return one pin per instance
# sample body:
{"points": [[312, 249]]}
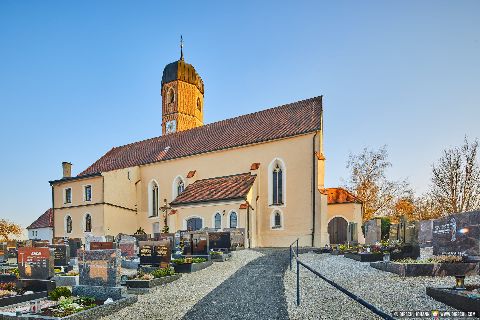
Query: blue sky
{"points": [[77, 78]]}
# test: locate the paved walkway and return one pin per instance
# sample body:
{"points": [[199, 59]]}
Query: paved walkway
{"points": [[254, 292]]}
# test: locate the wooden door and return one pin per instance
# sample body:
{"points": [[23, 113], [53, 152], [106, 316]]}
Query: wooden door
{"points": [[337, 228]]}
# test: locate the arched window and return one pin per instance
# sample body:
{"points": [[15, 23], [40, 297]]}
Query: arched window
{"points": [[218, 221], [153, 199], [68, 224], [88, 223], [277, 220], [171, 96], [233, 220], [199, 104], [276, 183], [180, 186]]}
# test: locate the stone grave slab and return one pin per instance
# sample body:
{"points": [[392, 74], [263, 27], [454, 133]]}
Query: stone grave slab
{"points": [[61, 254], [200, 244], [89, 239], [425, 233], [237, 237], [373, 231], [99, 267], [186, 242], [102, 245], [75, 245], [156, 253], [458, 234], [35, 263], [219, 240]]}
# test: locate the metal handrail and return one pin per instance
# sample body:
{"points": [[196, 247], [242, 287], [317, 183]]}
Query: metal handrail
{"points": [[332, 283]]}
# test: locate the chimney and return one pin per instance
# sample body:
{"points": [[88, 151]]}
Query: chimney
{"points": [[67, 169]]}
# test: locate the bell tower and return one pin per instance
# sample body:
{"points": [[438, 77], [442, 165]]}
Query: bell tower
{"points": [[182, 96]]}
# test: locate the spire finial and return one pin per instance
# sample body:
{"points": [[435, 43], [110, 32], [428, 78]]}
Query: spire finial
{"points": [[181, 47]]}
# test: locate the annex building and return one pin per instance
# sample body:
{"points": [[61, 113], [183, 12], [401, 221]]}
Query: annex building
{"points": [[263, 172]]}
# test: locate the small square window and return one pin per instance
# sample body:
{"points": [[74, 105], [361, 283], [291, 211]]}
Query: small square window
{"points": [[68, 195], [87, 193]]}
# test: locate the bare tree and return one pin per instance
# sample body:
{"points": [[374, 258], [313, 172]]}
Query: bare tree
{"points": [[456, 179], [369, 182]]}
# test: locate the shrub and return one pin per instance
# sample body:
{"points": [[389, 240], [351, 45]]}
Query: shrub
{"points": [[58, 292], [9, 286], [216, 253], [15, 272], [198, 260], [163, 272]]}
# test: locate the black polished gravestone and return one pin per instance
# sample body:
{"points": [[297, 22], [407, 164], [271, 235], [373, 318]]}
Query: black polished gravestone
{"points": [[219, 240], [75, 245], [35, 263], [61, 254], [200, 244], [155, 253], [165, 236], [458, 234]]}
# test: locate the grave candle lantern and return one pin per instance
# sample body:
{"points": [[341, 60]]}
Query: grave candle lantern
{"points": [[459, 282], [386, 257]]}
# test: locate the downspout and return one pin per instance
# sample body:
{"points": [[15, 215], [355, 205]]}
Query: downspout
{"points": [[53, 214], [248, 224], [313, 188]]}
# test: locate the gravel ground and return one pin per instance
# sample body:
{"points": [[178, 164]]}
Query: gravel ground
{"points": [[254, 292], [173, 300], [387, 291]]}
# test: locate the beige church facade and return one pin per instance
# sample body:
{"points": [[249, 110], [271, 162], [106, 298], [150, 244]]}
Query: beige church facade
{"points": [[263, 172]]}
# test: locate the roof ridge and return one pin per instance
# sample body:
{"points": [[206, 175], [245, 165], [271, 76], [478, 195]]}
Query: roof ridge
{"points": [[228, 176], [220, 121]]}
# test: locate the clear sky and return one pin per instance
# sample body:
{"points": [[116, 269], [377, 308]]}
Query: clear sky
{"points": [[80, 77]]}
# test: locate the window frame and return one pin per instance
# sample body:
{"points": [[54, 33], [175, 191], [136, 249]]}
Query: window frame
{"points": [[153, 204], [68, 218], [231, 213], [271, 183], [273, 215], [85, 229], [65, 198], [214, 224], [85, 193]]}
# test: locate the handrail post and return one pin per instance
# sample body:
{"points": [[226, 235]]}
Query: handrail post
{"points": [[298, 283], [297, 247], [290, 257]]}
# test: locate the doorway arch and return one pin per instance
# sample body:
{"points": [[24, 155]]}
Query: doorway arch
{"points": [[337, 228]]}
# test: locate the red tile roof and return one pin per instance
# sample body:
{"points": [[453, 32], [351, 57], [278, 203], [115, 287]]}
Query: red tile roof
{"points": [[216, 189], [340, 195], [284, 121], [44, 221]]}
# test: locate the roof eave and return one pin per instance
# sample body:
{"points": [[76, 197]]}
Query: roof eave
{"points": [[86, 176]]}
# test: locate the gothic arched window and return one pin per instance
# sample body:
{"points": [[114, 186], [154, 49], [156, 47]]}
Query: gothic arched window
{"points": [[88, 223], [68, 224], [233, 220], [153, 199], [277, 220], [218, 221], [277, 183], [180, 186]]}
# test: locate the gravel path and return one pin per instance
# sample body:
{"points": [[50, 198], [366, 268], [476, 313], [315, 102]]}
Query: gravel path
{"points": [[254, 292], [173, 300], [387, 291]]}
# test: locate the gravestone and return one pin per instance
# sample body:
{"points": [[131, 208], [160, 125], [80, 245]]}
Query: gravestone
{"points": [[200, 244], [237, 237], [219, 240], [41, 243], [99, 267], [425, 233], [127, 245], [101, 245], [109, 238], [75, 245], [457, 234], [352, 232], [393, 234], [141, 235], [186, 242], [61, 254], [99, 274], [89, 239], [155, 253], [3, 252], [35, 263], [165, 236], [373, 231]]}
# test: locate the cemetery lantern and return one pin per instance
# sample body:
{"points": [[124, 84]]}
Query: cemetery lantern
{"points": [[460, 282], [386, 257]]}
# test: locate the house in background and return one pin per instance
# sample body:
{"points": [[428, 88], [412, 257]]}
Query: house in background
{"points": [[42, 228], [345, 212]]}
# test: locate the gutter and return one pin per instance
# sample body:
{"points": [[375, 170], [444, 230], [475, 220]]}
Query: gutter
{"points": [[53, 213]]}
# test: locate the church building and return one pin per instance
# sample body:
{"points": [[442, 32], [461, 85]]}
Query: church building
{"points": [[263, 172]]}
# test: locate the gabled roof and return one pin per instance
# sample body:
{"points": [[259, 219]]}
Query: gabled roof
{"points": [[284, 121], [340, 195], [235, 187], [44, 221]]}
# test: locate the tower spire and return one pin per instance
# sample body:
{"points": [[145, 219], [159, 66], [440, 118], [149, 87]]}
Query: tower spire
{"points": [[181, 47]]}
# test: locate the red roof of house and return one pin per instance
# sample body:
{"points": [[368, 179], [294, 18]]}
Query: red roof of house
{"points": [[44, 221], [216, 189], [284, 121], [340, 195]]}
